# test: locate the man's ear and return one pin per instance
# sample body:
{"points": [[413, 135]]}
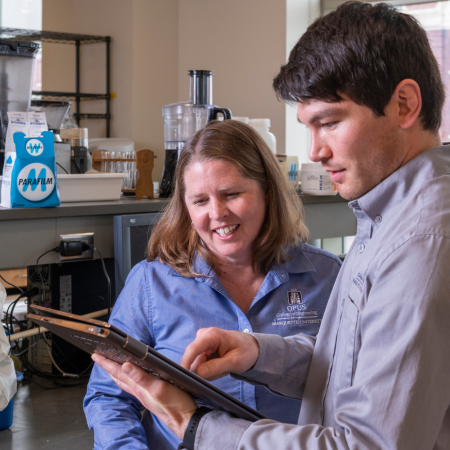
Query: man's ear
{"points": [[408, 101]]}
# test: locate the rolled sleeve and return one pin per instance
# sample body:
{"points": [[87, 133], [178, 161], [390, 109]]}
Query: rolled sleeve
{"points": [[282, 365]]}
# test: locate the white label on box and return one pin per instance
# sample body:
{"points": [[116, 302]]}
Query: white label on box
{"points": [[17, 121], [37, 119], [37, 123], [32, 124]]}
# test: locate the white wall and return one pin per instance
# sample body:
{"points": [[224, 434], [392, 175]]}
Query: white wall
{"points": [[243, 42], [155, 43], [144, 63]]}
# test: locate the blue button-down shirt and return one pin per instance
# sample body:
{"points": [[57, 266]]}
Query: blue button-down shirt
{"points": [[165, 310]]}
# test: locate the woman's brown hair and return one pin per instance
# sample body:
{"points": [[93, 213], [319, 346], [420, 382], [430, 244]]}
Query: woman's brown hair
{"points": [[174, 241]]}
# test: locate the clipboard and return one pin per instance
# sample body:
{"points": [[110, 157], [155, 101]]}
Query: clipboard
{"points": [[95, 336]]}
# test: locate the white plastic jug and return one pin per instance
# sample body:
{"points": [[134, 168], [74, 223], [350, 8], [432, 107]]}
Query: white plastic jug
{"points": [[8, 381]]}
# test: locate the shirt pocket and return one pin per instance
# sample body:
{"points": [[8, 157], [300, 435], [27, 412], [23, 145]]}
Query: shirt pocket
{"points": [[344, 363]]}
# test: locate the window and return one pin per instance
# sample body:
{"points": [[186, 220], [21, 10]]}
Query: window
{"points": [[435, 19], [24, 14]]}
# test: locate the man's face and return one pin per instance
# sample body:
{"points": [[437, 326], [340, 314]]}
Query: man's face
{"points": [[358, 148]]}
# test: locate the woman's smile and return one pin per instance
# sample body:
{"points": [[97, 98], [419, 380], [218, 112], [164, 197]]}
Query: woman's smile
{"points": [[226, 232]]}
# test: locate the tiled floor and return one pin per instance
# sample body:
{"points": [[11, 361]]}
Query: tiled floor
{"points": [[49, 420]]}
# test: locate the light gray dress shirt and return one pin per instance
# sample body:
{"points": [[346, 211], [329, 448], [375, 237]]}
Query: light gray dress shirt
{"points": [[378, 376]]}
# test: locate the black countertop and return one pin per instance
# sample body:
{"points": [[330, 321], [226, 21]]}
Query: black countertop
{"points": [[116, 207]]}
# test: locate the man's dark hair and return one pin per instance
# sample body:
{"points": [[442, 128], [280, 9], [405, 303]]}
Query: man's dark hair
{"points": [[364, 52]]}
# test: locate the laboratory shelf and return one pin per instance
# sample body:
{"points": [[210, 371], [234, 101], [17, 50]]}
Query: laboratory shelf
{"points": [[22, 35]]}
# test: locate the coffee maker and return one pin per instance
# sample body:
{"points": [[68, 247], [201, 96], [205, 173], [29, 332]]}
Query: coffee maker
{"points": [[16, 79], [183, 120]]}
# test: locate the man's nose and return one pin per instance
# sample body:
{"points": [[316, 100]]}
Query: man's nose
{"points": [[218, 210], [319, 149]]}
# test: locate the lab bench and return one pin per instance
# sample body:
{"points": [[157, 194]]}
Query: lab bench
{"points": [[25, 234]]}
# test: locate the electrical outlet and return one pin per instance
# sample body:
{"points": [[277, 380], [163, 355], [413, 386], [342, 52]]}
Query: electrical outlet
{"points": [[88, 238]]}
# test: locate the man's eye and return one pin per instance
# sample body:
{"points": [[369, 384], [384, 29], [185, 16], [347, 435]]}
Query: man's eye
{"points": [[328, 124], [232, 194]]}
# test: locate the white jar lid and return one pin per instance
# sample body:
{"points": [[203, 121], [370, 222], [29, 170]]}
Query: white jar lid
{"points": [[256, 123]]}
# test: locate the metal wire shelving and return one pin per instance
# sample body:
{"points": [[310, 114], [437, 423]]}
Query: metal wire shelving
{"points": [[21, 35]]}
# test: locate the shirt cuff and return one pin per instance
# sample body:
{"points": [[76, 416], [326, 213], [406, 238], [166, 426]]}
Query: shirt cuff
{"points": [[219, 426], [255, 375]]}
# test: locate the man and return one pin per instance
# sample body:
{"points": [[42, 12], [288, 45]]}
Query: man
{"points": [[378, 375]]}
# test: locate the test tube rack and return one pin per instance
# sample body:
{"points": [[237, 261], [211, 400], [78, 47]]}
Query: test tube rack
{"points": [[144, 165]]}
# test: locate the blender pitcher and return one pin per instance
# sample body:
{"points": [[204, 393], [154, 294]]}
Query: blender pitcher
{"points": [[183, 120]]}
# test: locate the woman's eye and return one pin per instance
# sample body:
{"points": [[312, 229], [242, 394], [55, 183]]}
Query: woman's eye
{"points": [[200, 202]]}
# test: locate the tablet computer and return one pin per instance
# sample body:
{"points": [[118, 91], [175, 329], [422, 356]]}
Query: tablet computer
{"points": [[95, 336]]}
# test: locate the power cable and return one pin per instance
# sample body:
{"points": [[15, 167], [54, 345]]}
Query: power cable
{"points": [[108, 281]]}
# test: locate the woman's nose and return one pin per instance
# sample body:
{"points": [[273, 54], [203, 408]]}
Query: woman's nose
{"points": [[319, 150], [218, 210]]}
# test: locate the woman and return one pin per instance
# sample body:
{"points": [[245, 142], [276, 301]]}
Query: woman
{"points": [[228, 252]]}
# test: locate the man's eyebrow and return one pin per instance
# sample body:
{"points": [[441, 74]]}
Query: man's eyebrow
{"points": [[323, 113]]}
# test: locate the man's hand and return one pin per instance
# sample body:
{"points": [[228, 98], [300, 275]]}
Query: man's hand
{"points": [[169, 403], [216, 353]]}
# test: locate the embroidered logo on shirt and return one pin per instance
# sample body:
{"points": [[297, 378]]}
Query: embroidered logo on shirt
{"points": [[359, 280], [296, 312], [294, 297]]}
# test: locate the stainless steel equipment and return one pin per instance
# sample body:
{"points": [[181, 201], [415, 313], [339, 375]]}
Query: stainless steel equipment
{"points": [[16, 79], [78, 139], [183, 120]]}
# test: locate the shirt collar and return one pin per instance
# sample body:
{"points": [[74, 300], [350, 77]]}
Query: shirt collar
{"points": [[298, 263], [409, 178], [199, 265]]}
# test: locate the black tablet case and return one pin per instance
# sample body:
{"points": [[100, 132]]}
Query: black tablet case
{"points": [[94, 336]]}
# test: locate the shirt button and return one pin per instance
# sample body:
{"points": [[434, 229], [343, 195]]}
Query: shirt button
{"points": [[378, 219], [361, 248], [246, 330]]}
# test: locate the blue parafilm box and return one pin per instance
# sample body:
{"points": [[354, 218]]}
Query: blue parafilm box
{"points": [[29, 174]]}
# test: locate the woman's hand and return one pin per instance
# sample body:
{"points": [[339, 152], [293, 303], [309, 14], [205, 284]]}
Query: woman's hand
{"points": [[170, 404], [216, 353]]}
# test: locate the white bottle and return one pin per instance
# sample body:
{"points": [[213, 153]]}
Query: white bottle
{"points": [[262, 127], [316, 181]]}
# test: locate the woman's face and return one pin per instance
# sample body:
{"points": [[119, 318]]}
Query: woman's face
{"points": [[226, 209]]}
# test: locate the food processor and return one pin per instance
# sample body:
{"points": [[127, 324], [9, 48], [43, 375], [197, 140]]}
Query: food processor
{"points": [[182, 120]]}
